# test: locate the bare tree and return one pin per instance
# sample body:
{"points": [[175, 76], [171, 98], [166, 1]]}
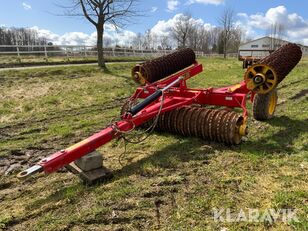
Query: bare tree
{"points": [[236, 38], [154, 41], [276, 33], [226, 21], [182, 28], [193, 36], [165, 42], [138, 41], [147, 40], [99, 13], [20, 36], [214, 35]]}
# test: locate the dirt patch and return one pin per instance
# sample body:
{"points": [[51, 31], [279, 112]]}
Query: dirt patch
{"points": [[16, 159]]}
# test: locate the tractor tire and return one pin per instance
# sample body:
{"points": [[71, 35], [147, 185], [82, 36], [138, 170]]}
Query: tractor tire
{"points": [[264, 105]]}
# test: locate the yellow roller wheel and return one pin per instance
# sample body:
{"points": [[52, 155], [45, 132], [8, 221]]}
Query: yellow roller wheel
{"points": [[264, 105], [243, 129], [138, 74], [261, 78]]}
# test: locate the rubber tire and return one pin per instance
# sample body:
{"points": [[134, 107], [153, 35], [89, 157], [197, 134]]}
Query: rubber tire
{"points": [[261, 103]]}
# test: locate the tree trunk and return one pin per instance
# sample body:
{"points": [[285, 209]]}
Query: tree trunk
{"points": [[225, 48], [100, 51]]}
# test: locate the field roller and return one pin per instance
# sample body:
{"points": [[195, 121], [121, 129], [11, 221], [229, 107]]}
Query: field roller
{"points": [[164, 102]]}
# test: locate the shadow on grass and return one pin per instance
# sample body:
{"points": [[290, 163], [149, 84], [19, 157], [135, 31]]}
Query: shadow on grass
{"points": [[301, 94], [289, 84], [194, 149], [169, 157], [187, 149], [281, 141]]}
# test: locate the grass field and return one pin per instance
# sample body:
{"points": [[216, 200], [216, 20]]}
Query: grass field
{"points": [[167, 182]]}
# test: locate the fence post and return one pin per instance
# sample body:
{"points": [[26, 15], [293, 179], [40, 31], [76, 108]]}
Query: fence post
{"points": [[45, 51], [18, 54], [113, 52], [85, 51]]}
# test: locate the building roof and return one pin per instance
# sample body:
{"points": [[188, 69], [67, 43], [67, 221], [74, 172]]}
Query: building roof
{"points": [[270, 38]]}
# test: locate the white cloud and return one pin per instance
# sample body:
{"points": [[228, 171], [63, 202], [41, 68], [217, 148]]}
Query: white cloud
{"points": [[213, 2], [26, 6], [163, 27], [296, 27], [172, 5], [120, 37], [154, 9], [110, 27]]}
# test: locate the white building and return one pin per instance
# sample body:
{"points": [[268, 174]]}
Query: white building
{"points": [[262, 46]]}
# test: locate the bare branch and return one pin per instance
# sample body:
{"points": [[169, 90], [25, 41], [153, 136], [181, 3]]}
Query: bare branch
{"points": [[85, 12]]}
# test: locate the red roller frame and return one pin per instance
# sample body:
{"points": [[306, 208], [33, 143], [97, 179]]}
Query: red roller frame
{"points": [[233, 96]]}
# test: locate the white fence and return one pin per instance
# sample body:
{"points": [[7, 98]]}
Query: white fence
{"points": [[87, 51]]}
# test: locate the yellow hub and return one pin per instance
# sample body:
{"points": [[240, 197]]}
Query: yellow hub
{"points": [[260, 78], [137, 75], [243, 129], [139, 78]]}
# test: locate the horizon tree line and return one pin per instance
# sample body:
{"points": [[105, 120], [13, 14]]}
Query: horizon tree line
{"points": [[222, 39]]}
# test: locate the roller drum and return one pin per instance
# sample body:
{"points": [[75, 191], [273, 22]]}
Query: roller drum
{"points": [[283, 60], [159, 68], [209, 124], [264, 76]]}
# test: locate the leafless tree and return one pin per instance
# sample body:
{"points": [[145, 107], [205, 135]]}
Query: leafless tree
{"points": [[182, 28], [20, 36], [235, 40], [101, 12], [214, 39], [193, 37], [276, 33], [154, 44], [147, 43], [203, 39], [138, 41], [226, 21], [165, 42]]}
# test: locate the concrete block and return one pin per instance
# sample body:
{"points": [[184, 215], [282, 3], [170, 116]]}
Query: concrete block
{"points": [[91, 161], [91, 177]]}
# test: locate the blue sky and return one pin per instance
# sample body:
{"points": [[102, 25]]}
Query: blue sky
{"points": [[251, 15]]}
